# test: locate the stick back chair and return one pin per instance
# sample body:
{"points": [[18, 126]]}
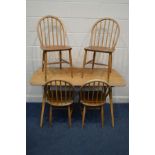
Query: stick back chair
{"points": [[93, 94], [57, 93], [52, 37], [104, 36]]}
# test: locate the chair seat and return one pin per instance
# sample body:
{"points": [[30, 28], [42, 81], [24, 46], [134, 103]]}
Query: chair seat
{"points": [[56, 48], [59, 103], [60, 99], [92, 99], [99, 49], [92, 103]]}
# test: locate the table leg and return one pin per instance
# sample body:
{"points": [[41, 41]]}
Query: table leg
{"points": [[111, 107], [42, 111]]}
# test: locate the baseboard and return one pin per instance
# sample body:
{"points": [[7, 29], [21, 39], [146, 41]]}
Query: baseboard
{"points": [[116, 99]]}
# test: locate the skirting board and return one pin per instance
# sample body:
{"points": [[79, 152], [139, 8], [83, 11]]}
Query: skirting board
{"points": [[116, 99]]}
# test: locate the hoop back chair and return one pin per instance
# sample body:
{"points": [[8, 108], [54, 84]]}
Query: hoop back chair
{"points": [[52, 37], [93, 94], [104, 36], [57, 93]]}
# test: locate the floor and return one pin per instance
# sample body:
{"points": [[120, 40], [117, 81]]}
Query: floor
{"points": [[91, 140]]}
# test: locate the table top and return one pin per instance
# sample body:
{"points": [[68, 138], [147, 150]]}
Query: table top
{"points": [[64, 74]]}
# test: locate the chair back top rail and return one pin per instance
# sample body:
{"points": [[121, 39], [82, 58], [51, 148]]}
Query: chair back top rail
{"points": [[59, 91], [105, 33], [51, 32], [94, 91]]}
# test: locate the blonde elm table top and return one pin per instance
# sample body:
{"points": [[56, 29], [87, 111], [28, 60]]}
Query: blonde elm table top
{"points": [[64, 74]]}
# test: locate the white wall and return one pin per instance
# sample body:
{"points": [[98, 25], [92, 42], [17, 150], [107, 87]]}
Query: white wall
{"points": [[78, 17]]}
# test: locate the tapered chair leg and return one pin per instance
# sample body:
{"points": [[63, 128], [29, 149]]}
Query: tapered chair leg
{"points": [[83, 116], [71, 109], [84, 62], [110, 63], [94, 56], [70, 62], [102, 116], [50, 115], [42, 111], [43, 61], [45, 66], [109, 67], [69, 117], [60, 58]]}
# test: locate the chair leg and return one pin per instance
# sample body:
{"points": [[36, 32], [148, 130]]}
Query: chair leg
{"points": [[70, 61], [71, 109], [42, 111], [111, 107], [109, 67], [69, 117], [84, 62], [50, 115], [83, 116], [110, 63], [45, 66], [94, 56], [60, 58], [43, 61], [102, 116]]}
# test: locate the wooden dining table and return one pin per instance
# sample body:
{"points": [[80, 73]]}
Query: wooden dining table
{"points": [[115, 80]]}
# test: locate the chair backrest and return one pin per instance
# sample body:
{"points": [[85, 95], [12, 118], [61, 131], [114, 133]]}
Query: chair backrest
{"points": [[51, 32], [105, 33], [59, 91], [94, 92]]}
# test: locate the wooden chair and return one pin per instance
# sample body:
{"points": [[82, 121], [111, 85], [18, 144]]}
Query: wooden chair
{"points": [[93, 95], [52, 37], [104, 37], [57, 93]]}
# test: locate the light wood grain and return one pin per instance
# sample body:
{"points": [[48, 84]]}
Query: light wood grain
{"points": [[93, 94], [83, 116], [104, 37], [56, 48], [111, 107], [52, 37], [51, 32], [57, 93], [99, 49], [64, 74], [42, 110], [105, 33]]}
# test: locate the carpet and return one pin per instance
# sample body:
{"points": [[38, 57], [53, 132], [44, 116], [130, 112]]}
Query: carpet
{"points": [[90, 140]]}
